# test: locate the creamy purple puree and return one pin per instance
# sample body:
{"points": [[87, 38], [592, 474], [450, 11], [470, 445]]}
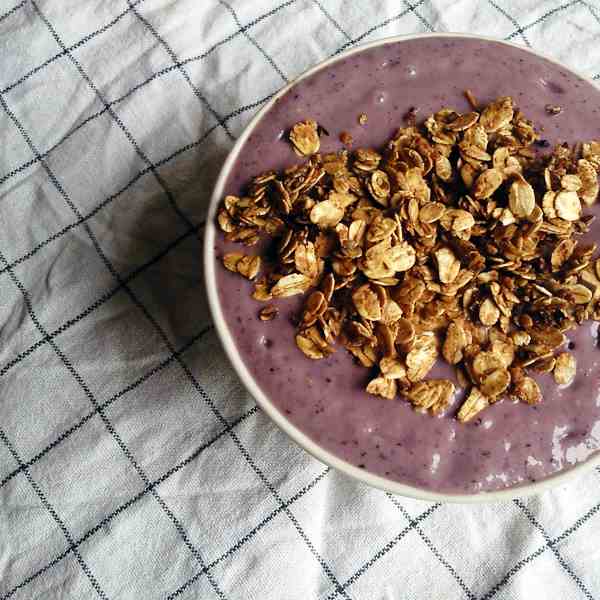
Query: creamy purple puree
{"points": [[510, 443]]}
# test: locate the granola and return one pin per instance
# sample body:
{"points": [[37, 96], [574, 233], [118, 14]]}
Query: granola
{"points": [[458, 240]]}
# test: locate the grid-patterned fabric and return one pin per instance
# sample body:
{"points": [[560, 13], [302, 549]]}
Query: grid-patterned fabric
{"points": [[132, 463]]}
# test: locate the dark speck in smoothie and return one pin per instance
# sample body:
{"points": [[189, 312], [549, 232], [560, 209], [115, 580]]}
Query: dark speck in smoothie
{"points": [[555, 87]]}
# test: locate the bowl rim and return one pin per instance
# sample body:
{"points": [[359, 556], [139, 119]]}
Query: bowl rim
{"points": [[248, 381]]}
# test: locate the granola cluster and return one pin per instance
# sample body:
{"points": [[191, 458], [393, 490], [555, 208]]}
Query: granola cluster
{"points": [[457, 241]]}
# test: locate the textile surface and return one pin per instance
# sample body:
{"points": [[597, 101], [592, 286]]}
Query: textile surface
{"points": [[133, 465]]}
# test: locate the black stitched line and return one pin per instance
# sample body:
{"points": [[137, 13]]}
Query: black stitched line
{"points": [[13, 10], [513, 571], [554, 542], [47, 505], [427, 541], [153, 77], [555, 551], [109, 426], [81, 42], [512, 20], [248, 536], [543, 18], [114, 115], [123, 507], [266, 56], [103, 299], [185, 148], [419, 16], [183, 365], [383, 551], [375, 28], [592, 11], [120, 394], [180, 68], [330, 18]]}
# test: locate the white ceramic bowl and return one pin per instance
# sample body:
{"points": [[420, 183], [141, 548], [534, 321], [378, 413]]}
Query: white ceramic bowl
{"points": [[265, 403]]}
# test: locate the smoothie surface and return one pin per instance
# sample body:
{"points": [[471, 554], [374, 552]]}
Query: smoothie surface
{"points": [[510, 443]]}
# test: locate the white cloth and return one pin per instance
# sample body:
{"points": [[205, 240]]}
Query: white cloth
{"points": [[132, 463]]}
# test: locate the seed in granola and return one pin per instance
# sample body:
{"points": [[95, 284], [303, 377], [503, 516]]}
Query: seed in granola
{"points": [[305, 138], [564, 368], [261, 292], [268, 313]]}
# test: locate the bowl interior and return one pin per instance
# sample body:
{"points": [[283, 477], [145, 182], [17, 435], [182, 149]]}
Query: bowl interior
{"points": [[324, 93]]}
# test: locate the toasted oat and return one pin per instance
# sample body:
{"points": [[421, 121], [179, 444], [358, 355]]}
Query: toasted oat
{"points": [[564, 368], [521, 198], [495, 383], [553, 109], [384, 387], [434, 395], [231, 259], [473, 405], [489, 313], [305, 138], [448, 265], [362, 119], [456, 340], [268, 313], [456, 239], [487, 183], [527, 390], [290, 285]]}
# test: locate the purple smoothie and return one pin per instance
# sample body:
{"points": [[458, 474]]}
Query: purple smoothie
{"points": [[510, 444]]}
